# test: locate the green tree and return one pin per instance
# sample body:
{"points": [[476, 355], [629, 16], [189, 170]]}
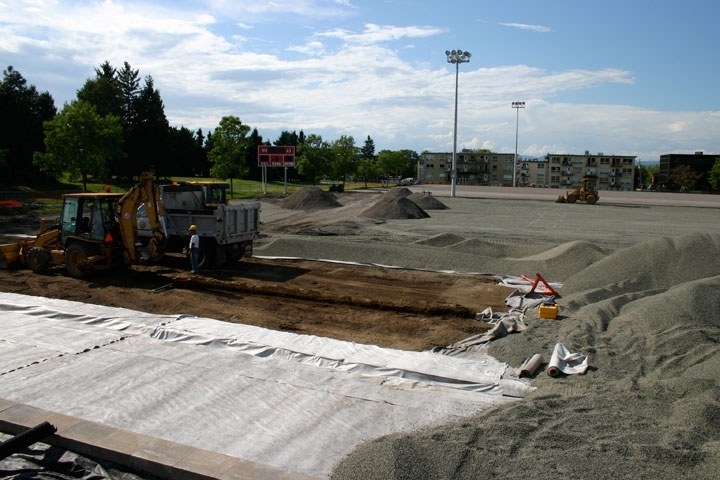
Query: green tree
{"points": [[254, 170], [129, 83], [287, 139], [714, 175], [22, 112], [187, 153], [345, 157], [399, 163], [103, 92], [80, 141], [683, 177], [230, 147], [368, 149], [367, 169], [391, 163], [313, 158], [411, 162], [147, 136]]}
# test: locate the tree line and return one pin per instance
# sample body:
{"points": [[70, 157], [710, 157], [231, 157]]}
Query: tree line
{"points": [[116, 128]]}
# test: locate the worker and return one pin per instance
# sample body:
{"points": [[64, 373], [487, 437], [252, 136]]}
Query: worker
{"points": [[194, 250]]}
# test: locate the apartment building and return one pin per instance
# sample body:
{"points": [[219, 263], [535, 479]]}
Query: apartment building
{"points": [[700, 164], [473, 168], [614, 172]]}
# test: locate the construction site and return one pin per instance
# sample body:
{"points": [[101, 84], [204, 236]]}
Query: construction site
{"points": [[337, 346]]}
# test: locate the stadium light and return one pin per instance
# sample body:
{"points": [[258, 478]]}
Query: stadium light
{"points": [[457, 57], [517, 106]]}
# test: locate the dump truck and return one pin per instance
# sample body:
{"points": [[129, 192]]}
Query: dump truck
{"points": [[587, 192], [226, 231], [95, 231]]}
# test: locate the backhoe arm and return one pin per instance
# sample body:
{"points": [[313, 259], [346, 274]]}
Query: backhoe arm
{"points": [[146, 191]]}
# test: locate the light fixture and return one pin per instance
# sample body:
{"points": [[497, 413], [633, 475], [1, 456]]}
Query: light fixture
{"points": [[456, 57]]}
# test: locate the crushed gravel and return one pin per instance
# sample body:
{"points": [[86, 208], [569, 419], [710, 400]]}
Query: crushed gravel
{"points": [[640, 297]]}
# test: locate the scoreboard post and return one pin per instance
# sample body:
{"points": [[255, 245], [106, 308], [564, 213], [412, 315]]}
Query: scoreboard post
{"points": [[275, 156]]}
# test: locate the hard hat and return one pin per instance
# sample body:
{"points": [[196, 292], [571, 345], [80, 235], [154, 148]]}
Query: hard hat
{"points": [[192, 227]]}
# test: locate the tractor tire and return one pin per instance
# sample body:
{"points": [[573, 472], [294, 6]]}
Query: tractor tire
{"points": [[76, 255], [38, 259], [591, 199], [571, 198]]}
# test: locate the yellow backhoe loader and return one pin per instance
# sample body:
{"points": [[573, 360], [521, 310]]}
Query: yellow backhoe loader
{"points": [[587, 192], [95, 231]]}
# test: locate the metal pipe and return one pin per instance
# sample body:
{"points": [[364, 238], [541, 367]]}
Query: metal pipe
{"points": [[25, 439], [517, 106]]}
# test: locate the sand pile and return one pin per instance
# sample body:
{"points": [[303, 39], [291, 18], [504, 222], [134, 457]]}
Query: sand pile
{"points": [[310, 198], [648, 317]]}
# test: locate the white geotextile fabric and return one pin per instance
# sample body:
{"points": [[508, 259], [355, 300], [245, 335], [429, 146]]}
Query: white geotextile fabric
{"points": [[291, 401], [562, 360]]}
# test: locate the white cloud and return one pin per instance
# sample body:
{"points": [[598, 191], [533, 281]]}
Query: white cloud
{"points": [[524, 26], [264, 11], [381, 33], [313, 48], [336, 81]]}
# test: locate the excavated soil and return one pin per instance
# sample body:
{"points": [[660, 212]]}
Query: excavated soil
{"points": [[390, 307]]}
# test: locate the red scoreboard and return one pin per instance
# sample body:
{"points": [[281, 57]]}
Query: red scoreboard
{"points": [[276, 156]]}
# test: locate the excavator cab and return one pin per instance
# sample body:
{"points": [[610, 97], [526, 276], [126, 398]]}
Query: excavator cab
{"points": [[89, 216]]}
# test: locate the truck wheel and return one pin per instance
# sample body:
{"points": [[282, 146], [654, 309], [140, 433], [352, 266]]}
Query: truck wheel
{"points": [[571, 198], [208, 257], [76, 255], [38, 259], [591, 199]]}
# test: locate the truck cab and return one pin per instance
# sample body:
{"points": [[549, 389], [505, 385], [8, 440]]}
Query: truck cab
{"points": [[226, 231], [215, 193]]}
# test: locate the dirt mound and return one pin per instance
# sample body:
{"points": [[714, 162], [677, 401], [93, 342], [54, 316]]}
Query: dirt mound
{"points": [[395, 208], [310, 198], [427, 202]]}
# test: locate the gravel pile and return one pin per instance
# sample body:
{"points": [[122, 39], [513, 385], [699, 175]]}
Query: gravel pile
{"points": [[395, 207], [427, 201], [648, 316], [646, 311], [310, 198]]}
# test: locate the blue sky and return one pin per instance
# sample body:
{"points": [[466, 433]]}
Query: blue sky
{"points": [[631, 77]]}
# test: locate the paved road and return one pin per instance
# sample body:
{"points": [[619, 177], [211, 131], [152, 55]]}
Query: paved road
{"points": [[606, 197]]}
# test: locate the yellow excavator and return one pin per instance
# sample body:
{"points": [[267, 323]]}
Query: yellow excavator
{"points": [[95, 231], [587, 192]]}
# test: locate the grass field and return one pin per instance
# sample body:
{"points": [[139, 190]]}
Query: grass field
{"points": [[50, 195]]}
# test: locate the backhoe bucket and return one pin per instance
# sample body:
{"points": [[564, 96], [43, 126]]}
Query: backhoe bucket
{"points": [[11, 255]]}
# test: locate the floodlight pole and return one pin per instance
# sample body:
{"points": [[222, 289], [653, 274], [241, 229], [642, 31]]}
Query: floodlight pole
{"points": [[457, 57], [517, 106]]}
